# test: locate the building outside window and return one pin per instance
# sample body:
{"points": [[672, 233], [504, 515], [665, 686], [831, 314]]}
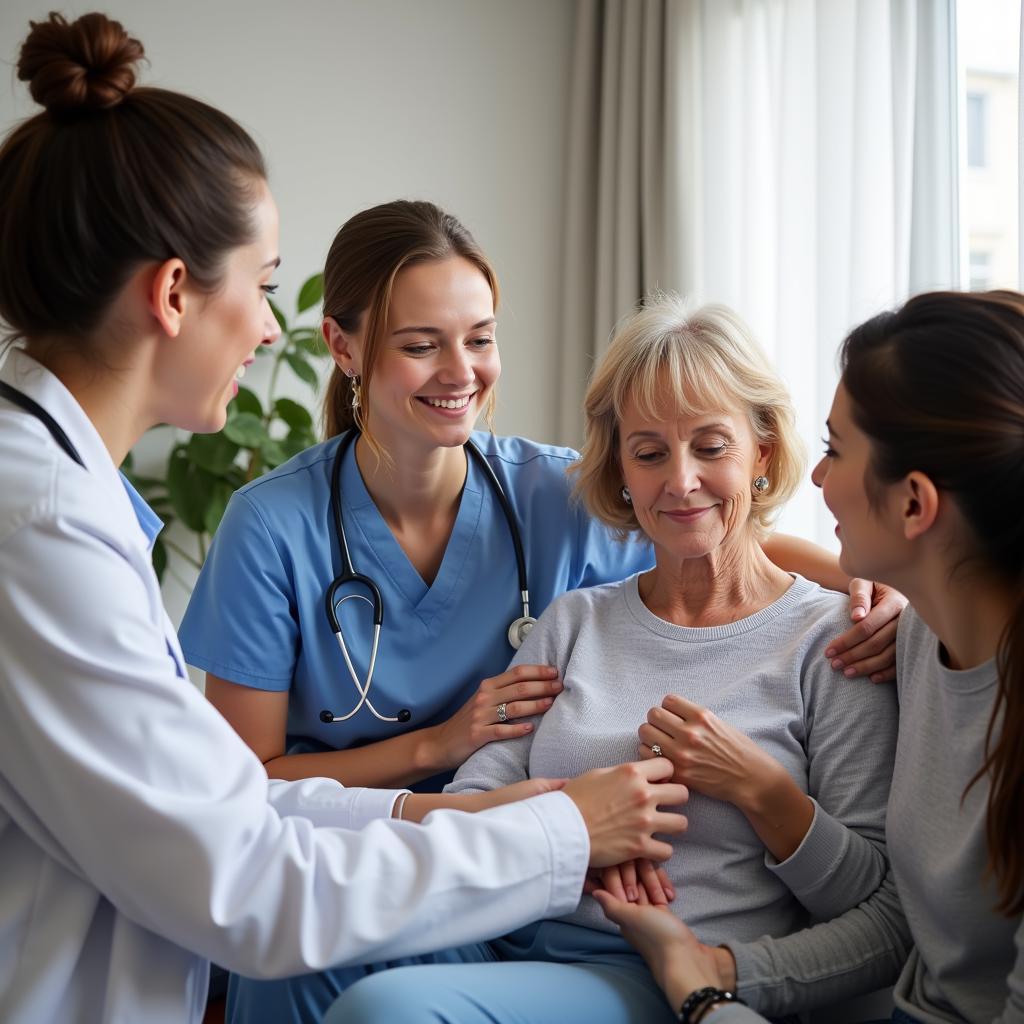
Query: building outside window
{"points": [[988, 37], [980, 271], [976, 104]]}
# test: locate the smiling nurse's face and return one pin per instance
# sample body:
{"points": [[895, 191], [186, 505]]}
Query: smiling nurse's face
{"points": [[438, 361]]}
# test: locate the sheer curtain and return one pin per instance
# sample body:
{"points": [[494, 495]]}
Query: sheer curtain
{"points": [[793, 159]]}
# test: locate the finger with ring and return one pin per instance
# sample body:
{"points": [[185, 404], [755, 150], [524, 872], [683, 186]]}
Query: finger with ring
{"points": [[502, 712]]}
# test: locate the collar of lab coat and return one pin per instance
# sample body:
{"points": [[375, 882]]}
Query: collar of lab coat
{"points": [[21, 371]]}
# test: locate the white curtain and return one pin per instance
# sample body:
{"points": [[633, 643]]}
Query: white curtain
{"points": [[807, 176]]}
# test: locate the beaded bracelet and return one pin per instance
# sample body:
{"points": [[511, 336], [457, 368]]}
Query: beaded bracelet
{"points": [[697, 1004]]}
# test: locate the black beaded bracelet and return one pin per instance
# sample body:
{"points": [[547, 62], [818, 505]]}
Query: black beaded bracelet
{"points": [[697, 1004]]}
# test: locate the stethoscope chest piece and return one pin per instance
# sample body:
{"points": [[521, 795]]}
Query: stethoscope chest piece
{"points": [[520, 630]]}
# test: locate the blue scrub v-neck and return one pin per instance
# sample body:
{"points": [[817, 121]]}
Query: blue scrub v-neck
{"points": [[360, 512], [256, 617]]}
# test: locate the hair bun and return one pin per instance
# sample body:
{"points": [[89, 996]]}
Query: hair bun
{"points": [[84, 64]]}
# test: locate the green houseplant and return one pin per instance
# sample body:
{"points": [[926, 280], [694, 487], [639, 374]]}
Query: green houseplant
{"points": [[204, 470]]}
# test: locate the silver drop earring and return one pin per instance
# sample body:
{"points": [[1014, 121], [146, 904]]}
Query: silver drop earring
{"points": [[626, 496], [761, 484], [356, 400]]}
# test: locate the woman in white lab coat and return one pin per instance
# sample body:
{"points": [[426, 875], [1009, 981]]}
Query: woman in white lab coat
{"points": [[138, 835]]}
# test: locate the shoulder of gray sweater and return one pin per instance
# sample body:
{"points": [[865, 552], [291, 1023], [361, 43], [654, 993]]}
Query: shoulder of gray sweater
{"points": [[825, 615], [569, 610], [816, 615], [552, 640]]}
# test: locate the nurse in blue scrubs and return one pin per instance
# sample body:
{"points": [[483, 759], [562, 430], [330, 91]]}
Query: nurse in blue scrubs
{"points": [[409, 304]]}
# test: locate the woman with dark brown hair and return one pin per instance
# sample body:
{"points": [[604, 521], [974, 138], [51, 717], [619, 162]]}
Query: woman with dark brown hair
{"points": [[138, 835], [924, 472]]}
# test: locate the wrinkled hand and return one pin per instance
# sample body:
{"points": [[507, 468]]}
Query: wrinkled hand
{"points": [[636, 881], [621, 809], [680, 964], [709, 755], [869, 647], [525, 690]]}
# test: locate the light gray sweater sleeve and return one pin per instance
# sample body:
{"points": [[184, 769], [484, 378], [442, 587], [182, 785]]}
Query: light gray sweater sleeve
{"points": [[851, 744], [859, 951], [504, 762]]}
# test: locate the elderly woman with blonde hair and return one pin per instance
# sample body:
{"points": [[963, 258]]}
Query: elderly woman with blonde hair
{"points": [[712, 659]]}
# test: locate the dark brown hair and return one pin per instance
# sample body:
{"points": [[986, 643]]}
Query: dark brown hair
{"points": [[109, 177], [938, 387], [364, 260]]}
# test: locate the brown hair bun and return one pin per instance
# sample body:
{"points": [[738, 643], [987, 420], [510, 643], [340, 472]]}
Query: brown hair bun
{"points": [[84, 64]]}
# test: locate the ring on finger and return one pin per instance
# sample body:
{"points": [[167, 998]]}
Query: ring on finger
{"points": [[656, 750], [502, 712]]}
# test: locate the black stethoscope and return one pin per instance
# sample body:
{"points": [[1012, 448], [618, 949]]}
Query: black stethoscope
{"points": [[517, 630], [33, 408]]}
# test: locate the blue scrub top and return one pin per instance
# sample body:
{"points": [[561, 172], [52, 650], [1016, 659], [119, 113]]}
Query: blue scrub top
{"points": [[257, 616]]}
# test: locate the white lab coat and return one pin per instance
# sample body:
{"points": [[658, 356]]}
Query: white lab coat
{"points": [[139, 837]]}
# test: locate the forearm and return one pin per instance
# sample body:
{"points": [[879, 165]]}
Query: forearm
{"points": [[417, 806], [809, 560], [778, 811], [858, 952], [395, 762]]}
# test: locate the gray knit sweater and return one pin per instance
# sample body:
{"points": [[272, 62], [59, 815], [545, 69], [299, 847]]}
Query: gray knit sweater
{"points": [[968, 961], [765, 674]]}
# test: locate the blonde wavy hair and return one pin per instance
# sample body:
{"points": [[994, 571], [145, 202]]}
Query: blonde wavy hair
{"points": [[672, 357]]}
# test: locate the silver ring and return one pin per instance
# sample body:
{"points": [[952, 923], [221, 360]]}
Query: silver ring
{"points": [[502, 712], [656, 750]]}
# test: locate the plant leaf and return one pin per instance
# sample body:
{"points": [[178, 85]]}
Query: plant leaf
{"points": [[273, 453], [189, 487], [311, 292], [310, 340], [297, 441], [215, 452], [278, 316], [245, 401], [159, 559], [302, 369], [246, 429], [219, 498], [296, 416]]}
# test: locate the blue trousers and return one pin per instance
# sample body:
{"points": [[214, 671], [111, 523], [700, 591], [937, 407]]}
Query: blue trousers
{"points": [[546, 973], [305, 998], [550, 971]]}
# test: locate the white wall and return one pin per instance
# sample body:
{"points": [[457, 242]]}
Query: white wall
{"points": [[356, 102]]}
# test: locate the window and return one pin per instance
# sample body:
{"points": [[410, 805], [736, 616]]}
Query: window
{"points": [[988, 40], [976, 102], [980, 267]]}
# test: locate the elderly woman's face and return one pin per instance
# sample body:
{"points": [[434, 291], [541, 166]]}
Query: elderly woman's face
{"points": [[690, 477]]}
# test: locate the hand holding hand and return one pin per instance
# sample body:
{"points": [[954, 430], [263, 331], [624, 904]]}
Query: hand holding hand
{"points": [[620, 807], [521, 692], [636, 881], [680, 964], [869, 647]]}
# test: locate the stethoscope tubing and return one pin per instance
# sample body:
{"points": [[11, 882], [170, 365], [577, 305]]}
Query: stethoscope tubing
{"points": [[33, 408], [517, 630]]}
